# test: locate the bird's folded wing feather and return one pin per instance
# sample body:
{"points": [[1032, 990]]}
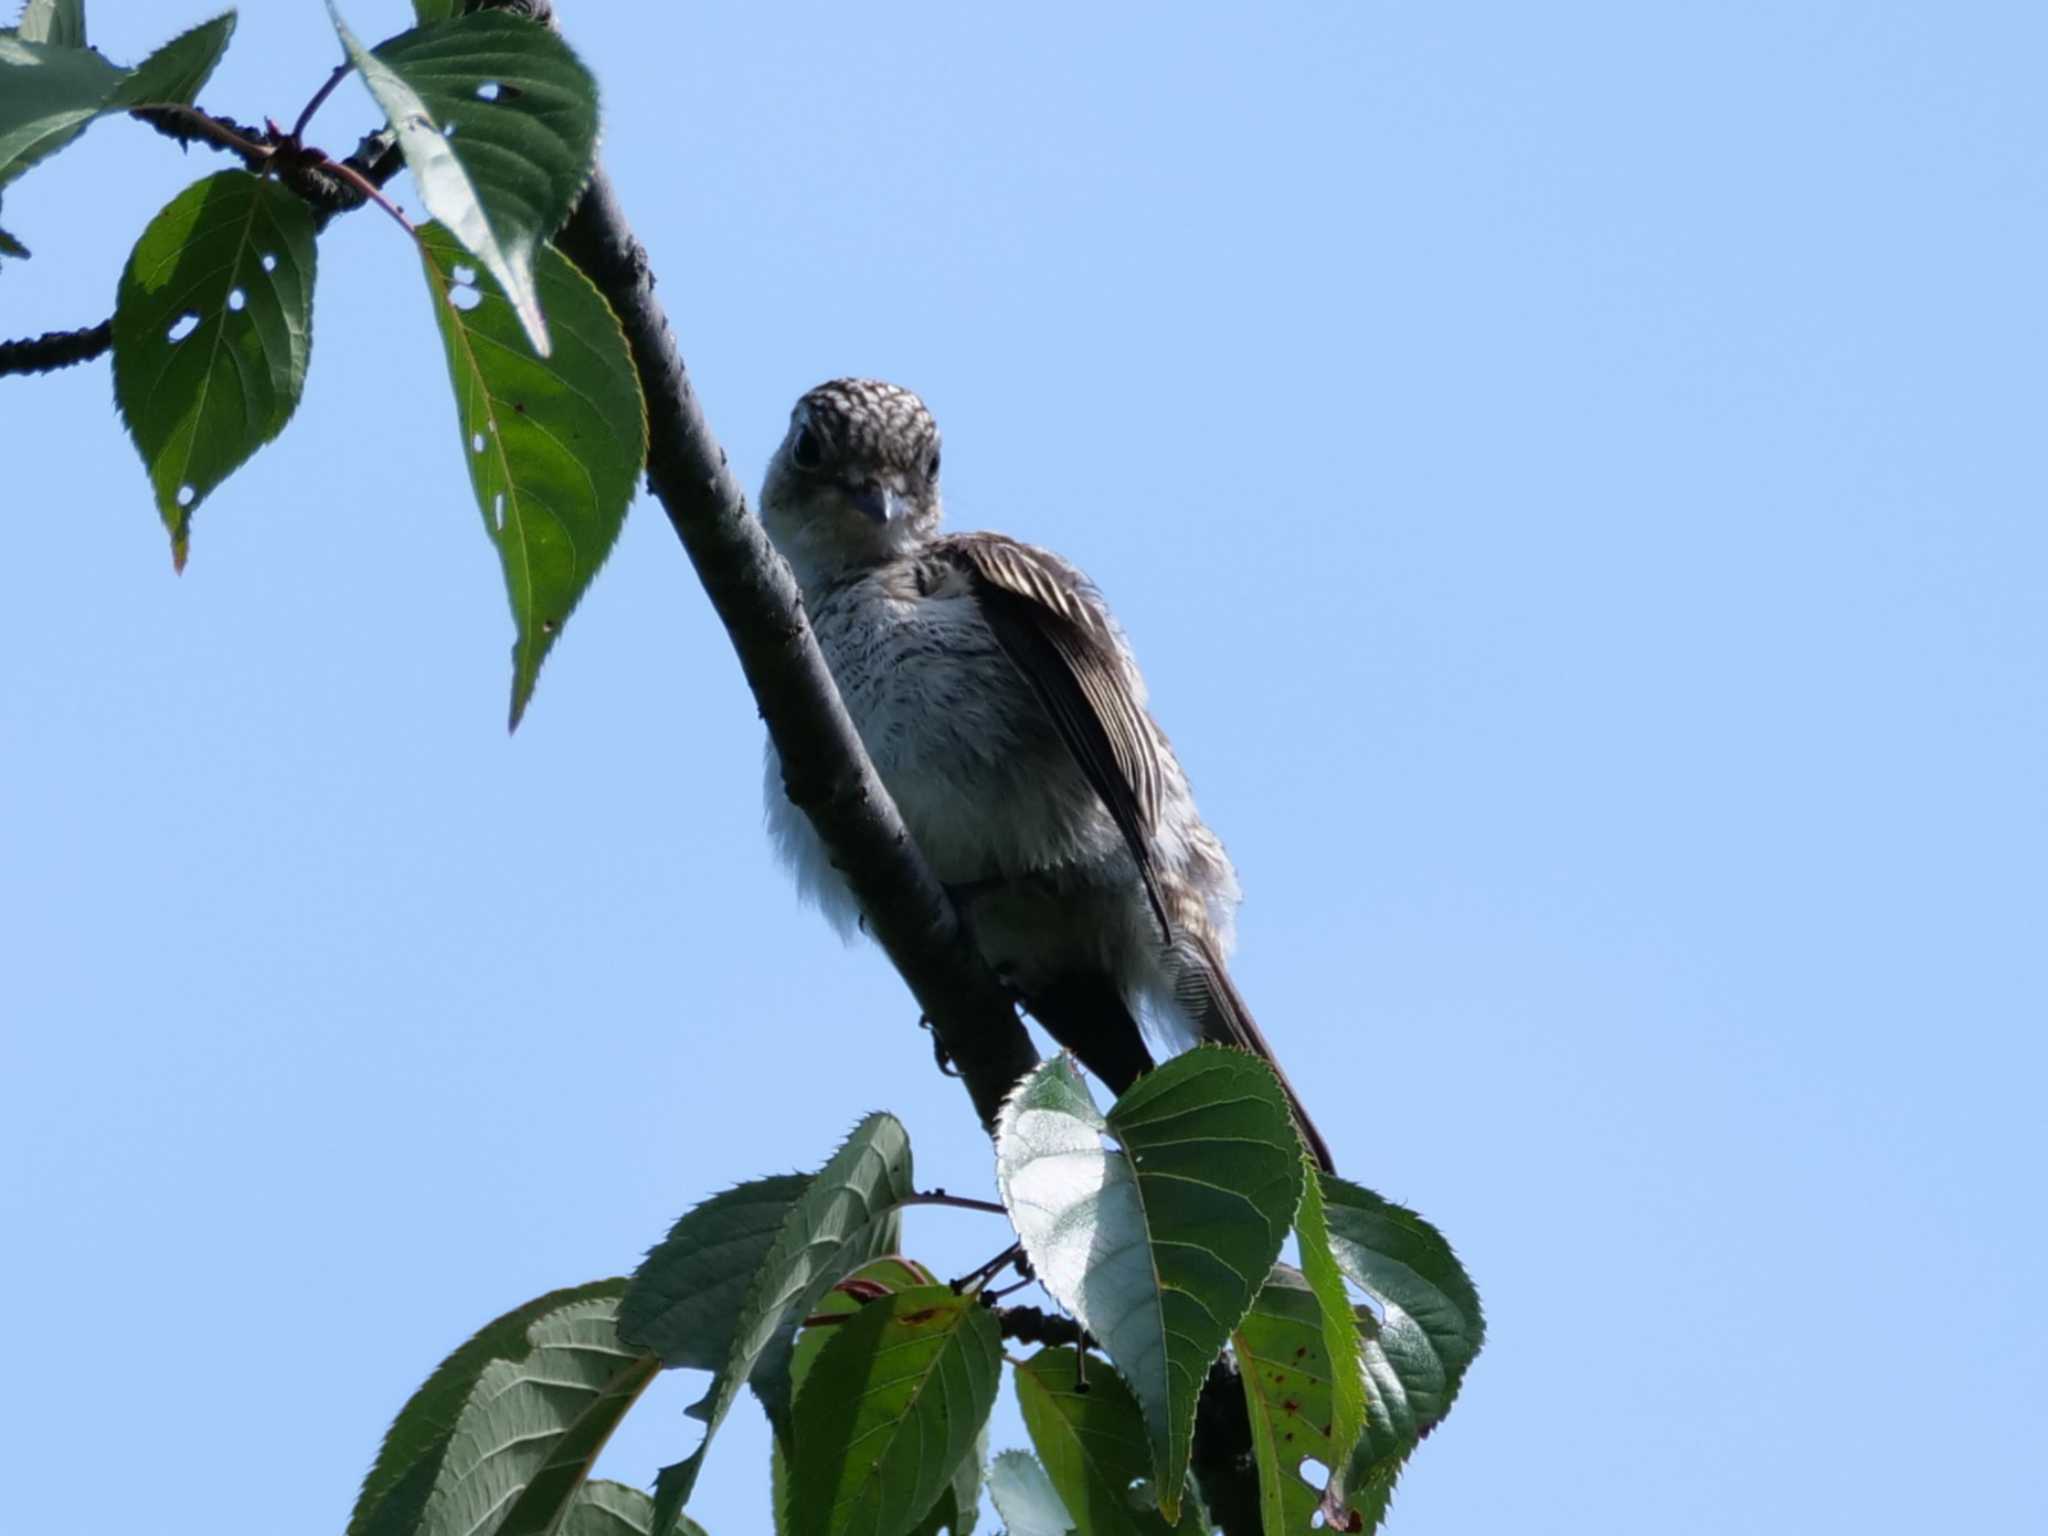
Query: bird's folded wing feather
{"points": [[1056, 632]]}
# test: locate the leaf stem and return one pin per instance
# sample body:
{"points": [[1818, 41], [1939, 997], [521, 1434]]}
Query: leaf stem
{"points": [[369, 189], [979, 1278], [320, 96], [958, 1202]]}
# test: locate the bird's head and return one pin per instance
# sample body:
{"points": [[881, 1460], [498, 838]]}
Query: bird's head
{"points": [[856, 479]]}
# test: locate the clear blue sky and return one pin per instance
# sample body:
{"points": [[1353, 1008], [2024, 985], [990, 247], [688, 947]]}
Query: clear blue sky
{"points": [[1574, 477]]}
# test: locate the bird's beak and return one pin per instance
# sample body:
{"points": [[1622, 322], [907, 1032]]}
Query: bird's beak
{"points": [[879, 502]]}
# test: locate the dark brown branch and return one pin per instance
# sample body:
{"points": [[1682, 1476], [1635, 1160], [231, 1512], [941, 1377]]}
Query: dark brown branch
{"points": [[55, 349], [1029, 1325], [827, 772]]}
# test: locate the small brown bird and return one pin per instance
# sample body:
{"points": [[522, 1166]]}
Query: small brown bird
{"points": [[1003, 709]]}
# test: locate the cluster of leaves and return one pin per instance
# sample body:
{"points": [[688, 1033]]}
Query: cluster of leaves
{"points": [[1157, 1227], [213, 321]]}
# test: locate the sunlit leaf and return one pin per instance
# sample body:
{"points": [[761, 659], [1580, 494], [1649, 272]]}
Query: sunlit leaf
{"points": [[59, 22], [501, 1437], [605, 1508], [1429, 1330], [742, 1267], [1156, 1247], [1345, 1373], [49, 92], [497, 120], [1025, 1497], [554, 445], [1283, 1362], [47, 96], [213, 327], [176, 73], [888, 1410]]}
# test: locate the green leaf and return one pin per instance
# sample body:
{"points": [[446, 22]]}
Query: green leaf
{"points": [[49, 92], [9, 246], [213, 326], [780, 1374], [57, 22], [176, 73], [426, 12], [501, 1436], [1416, 1355], [1025, 1497], [959, 1502], [743, 1266], [554, 445], [47, 96], [1157, 1249], [883, 1277], [526, 111], [890, 1408], [1093, 1444], [1342, 1351], [1283, 1362], [605, 1508]]}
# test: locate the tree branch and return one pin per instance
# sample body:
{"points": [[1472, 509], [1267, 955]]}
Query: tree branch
{"points": [[827, 772], [55, 349]]}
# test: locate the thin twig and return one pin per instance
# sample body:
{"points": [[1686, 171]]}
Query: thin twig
{"points": [[958, 1202], [319, 96], [370, 190]]}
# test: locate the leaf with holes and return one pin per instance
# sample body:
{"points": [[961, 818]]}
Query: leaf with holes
{"points": [[554, 444], [213, 326], [497, 120], [501, 1437], [1342, 1350], [50, 92], [605, 1508], [889, 1409], [1157, 1248], [1283, 1363], [1430, 1328], [1025, 1497], [739, 1269], [61, 22], [1091, 1438]]}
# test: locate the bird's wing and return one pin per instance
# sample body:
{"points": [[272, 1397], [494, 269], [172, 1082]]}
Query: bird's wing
{"points": [[1053, 627]]}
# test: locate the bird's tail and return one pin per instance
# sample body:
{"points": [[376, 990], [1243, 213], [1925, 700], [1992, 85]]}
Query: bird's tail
{"points": [[1202, 987]]}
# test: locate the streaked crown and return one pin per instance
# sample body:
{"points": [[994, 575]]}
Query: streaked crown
{"points": [[874, 425]]}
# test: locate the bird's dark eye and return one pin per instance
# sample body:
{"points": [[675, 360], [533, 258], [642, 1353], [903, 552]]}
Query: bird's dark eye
{"points": [[931, 470], [805, 453]]}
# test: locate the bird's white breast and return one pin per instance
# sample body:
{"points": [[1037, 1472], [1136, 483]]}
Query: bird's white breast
{"points": [[984, 784]]}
